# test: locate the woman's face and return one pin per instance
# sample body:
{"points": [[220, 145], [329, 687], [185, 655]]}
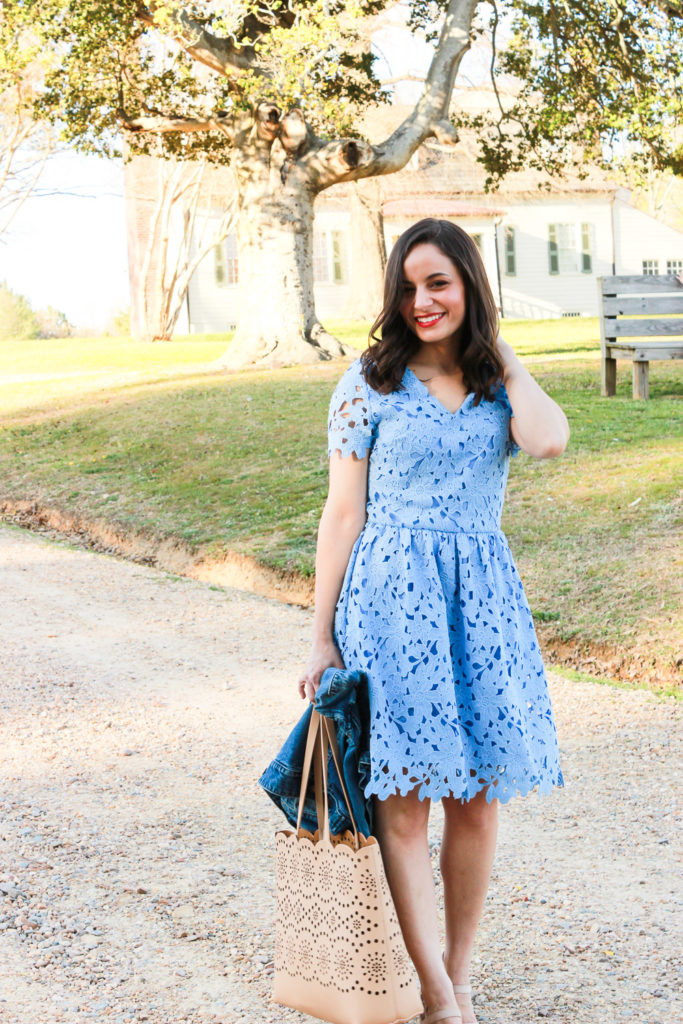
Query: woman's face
{"points": [[434, 300]]}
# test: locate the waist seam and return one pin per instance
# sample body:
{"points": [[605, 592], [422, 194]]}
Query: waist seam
{"points": [[432, 529]]}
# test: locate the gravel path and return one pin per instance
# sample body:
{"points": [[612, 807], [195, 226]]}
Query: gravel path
{"points": [[136, 865]]}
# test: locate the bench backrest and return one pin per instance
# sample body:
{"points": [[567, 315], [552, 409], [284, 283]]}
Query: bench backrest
{"points": [[647, 299]]}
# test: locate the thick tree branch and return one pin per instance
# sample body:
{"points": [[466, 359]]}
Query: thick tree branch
{"points": [[263, 125], [349, 160], [159, 123], [407, 77], [222, 55]]}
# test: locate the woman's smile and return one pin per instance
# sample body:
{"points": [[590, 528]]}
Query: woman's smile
{"points": [[430, 320]]}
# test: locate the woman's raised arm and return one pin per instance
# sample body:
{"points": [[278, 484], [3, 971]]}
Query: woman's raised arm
{"points": [[539, 426], [342, 520]]}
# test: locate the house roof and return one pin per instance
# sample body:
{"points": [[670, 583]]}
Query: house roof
{"points": [[440, 170], [437, 207]]}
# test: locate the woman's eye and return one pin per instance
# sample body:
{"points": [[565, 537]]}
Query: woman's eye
{"points": [[439, 284]]}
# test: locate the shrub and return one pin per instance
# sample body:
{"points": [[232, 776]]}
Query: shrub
{"points": [[17, 319], [53, 324], [119, 326]]}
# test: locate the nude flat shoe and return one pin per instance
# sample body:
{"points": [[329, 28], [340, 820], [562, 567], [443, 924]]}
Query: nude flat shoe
{"points": [[464, 990], [441, 1014]]}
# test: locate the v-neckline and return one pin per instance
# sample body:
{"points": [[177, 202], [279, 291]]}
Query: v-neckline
{"points": [[437, 401]]}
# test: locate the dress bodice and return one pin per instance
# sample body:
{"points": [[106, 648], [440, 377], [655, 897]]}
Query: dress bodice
{"points": [[429, 468]]}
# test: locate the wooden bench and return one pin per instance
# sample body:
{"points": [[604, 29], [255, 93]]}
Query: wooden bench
{"points": [[645, 298]]}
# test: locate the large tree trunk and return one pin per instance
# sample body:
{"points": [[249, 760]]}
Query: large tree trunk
{"points": [[276, 321]]}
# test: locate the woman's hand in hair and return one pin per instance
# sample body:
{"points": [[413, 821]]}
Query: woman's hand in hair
{"points": [[508, 358]]}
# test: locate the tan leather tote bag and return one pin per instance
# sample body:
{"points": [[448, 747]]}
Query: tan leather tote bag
{"points": [[339, 952]]}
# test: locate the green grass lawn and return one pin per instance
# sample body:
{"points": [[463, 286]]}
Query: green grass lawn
{"points": [[151, 437]]}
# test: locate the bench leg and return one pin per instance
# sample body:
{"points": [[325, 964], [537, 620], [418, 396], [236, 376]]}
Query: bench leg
{"points": [[609, 377], [641, 380]]}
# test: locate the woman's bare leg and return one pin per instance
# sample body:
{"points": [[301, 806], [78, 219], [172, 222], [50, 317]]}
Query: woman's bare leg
{"points": [[467, 851], [401, 827]]}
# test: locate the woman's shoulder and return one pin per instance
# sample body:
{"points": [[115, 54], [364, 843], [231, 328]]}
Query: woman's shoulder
{"points": [[354, 377], [351, 387]]}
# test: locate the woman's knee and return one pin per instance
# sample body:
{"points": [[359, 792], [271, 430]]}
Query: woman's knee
{"points": [[402, 817], [476, 814]]}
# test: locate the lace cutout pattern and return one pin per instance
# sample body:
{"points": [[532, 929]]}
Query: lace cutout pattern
{"points": [[432, 607], [349, 424]]}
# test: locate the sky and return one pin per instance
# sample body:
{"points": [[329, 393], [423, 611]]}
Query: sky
{"points": [[66, 248]]}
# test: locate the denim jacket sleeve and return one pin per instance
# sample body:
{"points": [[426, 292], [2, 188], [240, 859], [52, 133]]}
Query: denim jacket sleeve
{"points": [[342, 697]]}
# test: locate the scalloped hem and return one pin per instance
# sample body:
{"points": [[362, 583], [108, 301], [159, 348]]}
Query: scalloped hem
{"points": [[498, 788], [359, 450]]}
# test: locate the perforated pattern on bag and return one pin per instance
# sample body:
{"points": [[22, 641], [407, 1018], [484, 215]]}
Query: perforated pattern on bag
{"points": [[336, 924]]}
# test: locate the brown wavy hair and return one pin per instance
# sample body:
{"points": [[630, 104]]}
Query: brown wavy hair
{"points": [[384, 361]]}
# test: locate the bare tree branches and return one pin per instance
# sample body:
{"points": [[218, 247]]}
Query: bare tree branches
{"points": [[25, 143], [160, 123], [181, 231]]}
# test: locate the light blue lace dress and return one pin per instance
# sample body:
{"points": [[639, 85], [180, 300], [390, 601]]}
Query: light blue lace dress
{"points": [[432, 607]]}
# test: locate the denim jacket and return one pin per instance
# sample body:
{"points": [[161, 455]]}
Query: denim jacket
{"points": [[343, 697]]}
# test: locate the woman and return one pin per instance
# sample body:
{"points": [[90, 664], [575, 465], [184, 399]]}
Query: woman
{"points": [[415, 585]]}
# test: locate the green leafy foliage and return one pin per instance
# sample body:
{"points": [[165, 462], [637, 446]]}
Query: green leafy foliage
{"points": [[122, 61], [591, 81], [52, 323], [17, 319], [578, 82]]}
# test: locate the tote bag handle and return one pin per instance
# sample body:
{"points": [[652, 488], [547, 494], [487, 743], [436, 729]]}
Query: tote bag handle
{"points": [[322, 736]]}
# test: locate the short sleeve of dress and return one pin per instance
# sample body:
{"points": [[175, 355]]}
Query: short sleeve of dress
{"points": [[350, 422], [501, 397]]}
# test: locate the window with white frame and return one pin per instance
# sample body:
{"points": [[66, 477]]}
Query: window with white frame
{"points": [[225, 265], [510, 252], [650, 267], [320, 257], [231, 261], [586, 248], [219, 265], [674, 266], [329, 257], [570, 248]]}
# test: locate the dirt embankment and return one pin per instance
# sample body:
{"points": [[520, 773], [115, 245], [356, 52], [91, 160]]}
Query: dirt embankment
{"points": [[639, 663]]}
